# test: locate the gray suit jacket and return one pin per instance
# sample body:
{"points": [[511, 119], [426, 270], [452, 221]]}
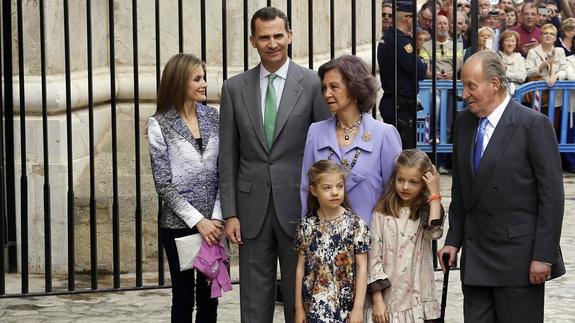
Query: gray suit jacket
{"points": [[248, 169], [512, 211]]}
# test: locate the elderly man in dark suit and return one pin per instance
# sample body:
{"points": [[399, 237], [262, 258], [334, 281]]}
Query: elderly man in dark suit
{"points": [[507, 200], [265, 115]]}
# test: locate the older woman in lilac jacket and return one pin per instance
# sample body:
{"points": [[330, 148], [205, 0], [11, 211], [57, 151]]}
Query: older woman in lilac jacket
{"points": [[366, 148]]}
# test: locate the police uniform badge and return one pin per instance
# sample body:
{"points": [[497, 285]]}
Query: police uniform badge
{"points": [[408, 48]]}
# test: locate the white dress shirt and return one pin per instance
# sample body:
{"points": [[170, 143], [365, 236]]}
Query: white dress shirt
{"points": [[279, 83], [493, 120]]}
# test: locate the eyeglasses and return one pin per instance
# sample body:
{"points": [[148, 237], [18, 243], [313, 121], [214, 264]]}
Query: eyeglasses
{"points": [[387, 15], [548, 33], [422, 17]]}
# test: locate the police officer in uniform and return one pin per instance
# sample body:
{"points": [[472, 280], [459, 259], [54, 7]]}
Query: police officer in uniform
{"points": [[406, 73]]}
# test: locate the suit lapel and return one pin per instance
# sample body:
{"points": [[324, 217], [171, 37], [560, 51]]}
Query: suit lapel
{"points": [[205, 125], [469, 144], [290, 96], [251, 95], [497, 144], [328, 139], [466, 142], [363, 139], [179, 125]]}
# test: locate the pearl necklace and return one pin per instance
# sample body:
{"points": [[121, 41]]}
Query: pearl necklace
{"points": [[347, 130]]}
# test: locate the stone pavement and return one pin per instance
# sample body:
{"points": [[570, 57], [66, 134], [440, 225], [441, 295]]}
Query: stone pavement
{"points": [[153, 305]]}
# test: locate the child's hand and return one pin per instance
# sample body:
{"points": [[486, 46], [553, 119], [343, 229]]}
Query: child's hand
{"points": [[379, 313], [356, 316], [299, 315], [432, 180]]}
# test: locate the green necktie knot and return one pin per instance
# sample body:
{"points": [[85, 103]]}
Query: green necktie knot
{"points": [[271, 78], [270, 111]]}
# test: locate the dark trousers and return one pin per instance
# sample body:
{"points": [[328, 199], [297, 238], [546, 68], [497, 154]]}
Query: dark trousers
{"points": [[503, 304], [406, 118], [184, 286]]}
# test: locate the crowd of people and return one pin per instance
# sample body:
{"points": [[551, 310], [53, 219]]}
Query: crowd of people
{"points": [[540, 32], [294, 168], [533, 38]]}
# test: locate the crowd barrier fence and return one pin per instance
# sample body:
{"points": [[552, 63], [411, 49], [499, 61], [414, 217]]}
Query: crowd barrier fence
{"points": [[444, 121]]}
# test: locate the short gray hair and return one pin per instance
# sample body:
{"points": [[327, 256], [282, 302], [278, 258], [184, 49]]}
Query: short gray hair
{"points": [[492, 67]]}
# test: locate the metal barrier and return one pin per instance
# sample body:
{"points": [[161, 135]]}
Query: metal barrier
{"points": [[566, 88], [444, 90], [444, 87]]}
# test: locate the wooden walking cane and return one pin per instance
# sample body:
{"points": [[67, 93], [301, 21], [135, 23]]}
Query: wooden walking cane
{"points": [[445, 259]]}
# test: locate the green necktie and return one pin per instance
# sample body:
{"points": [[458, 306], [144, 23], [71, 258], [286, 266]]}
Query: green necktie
{"points": [[270, 111]]}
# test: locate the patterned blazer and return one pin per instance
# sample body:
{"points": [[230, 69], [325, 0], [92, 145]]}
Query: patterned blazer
{"points": [[186, 176]]}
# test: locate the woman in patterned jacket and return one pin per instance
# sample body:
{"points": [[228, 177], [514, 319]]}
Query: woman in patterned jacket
{"points": [[184, 143]]}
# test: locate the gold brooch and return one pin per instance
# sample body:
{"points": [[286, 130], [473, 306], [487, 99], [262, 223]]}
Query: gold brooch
{"points": [[366, 136]]}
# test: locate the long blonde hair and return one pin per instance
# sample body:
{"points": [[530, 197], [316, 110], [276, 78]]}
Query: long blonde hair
{"points": [[174, 84], [390, 202], [316, 172]]}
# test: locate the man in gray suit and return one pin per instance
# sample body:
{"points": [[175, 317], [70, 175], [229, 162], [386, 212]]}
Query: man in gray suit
{"points": [[265, 115], [507, 200]]}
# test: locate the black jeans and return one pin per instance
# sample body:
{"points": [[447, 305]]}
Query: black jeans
{"points": [[184, 286]]}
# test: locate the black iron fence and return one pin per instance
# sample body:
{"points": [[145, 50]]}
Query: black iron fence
{"points": [[15, 203]]}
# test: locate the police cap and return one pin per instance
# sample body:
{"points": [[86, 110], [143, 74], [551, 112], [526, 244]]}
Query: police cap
{"points": [[405, 5]]}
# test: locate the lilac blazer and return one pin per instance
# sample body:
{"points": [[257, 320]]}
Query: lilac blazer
{"points": [[379, 144]]}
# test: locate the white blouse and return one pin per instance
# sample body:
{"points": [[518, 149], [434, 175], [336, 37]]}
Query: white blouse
{"points": [[536, 56], [515, 69]]}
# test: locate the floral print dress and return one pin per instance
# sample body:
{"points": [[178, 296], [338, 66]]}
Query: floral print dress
{"points": [[329, 247], [401, 252]]}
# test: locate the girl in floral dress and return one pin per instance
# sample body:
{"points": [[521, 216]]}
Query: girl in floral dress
{"points": [[332, 242], [405, 220]]}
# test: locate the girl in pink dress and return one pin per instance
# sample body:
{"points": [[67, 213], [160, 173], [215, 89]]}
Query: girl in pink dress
{"points": [[405, 220]]}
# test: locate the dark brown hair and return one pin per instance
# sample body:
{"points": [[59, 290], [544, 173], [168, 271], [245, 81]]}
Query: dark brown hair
{"points": [[174, 84], [361, 84], [390, 203], [267, 14], [314, 175]]}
